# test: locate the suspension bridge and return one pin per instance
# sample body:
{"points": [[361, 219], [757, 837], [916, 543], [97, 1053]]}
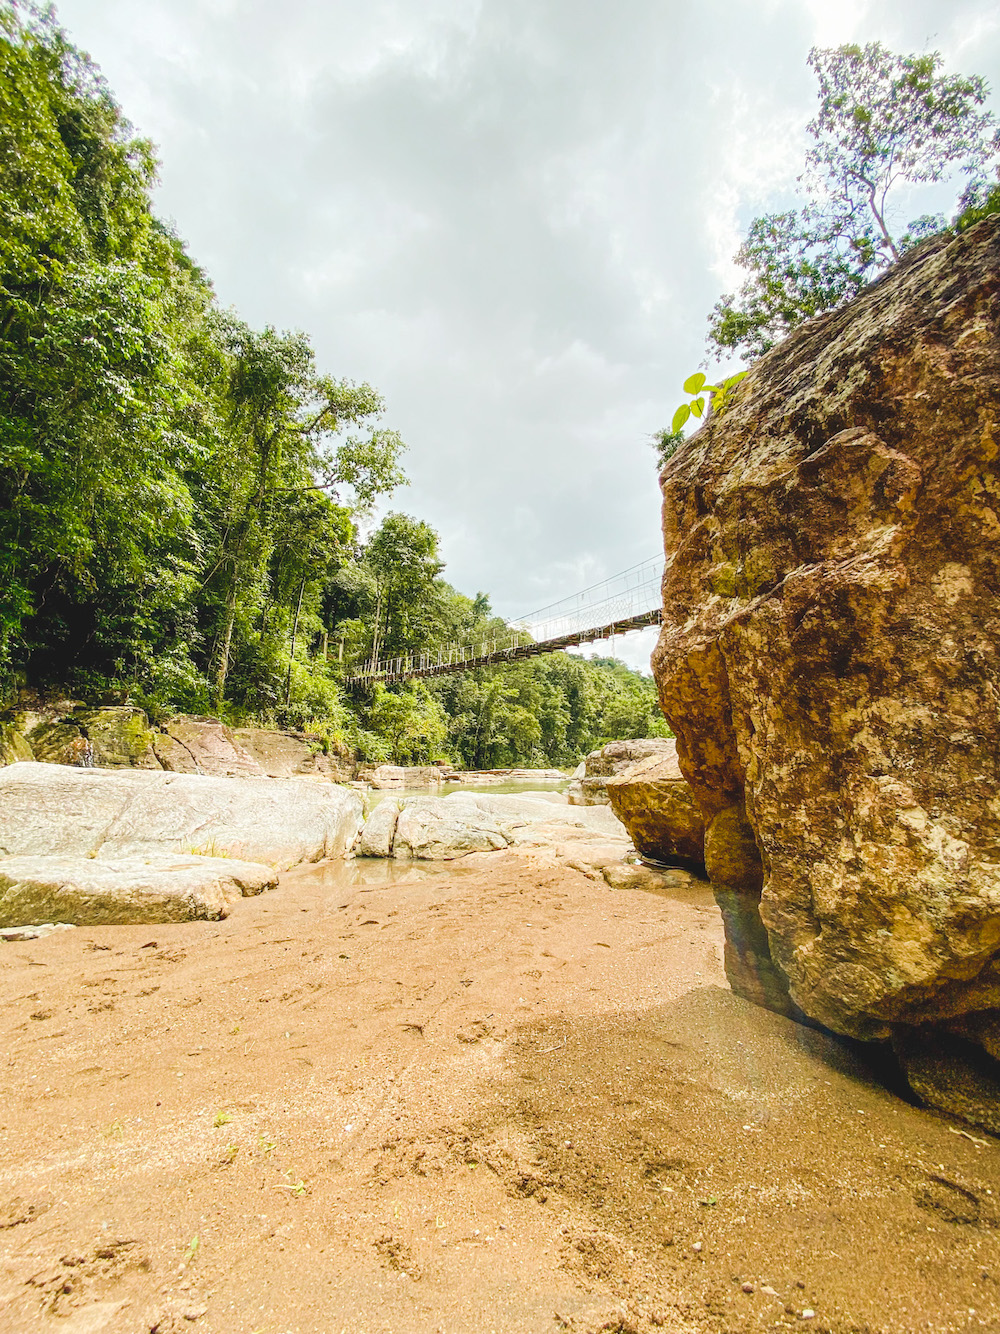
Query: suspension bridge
{"points": [[630, 600]]}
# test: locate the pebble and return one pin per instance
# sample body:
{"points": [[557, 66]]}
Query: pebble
{"points": [[696, 1246], [807, 1314], [748, 1287]]}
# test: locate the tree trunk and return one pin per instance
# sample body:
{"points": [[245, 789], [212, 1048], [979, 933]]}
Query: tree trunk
{"points": [[291, 651], [375, 628]]}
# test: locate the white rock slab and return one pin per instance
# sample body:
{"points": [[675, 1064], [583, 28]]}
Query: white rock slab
{"points": [[52, 809], [442, 828], [84, 891]]}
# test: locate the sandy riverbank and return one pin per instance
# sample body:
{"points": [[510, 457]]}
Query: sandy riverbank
{"points": [[496, 1096]]}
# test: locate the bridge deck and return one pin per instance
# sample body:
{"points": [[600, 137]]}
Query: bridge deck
{"points": [[423, 666]]}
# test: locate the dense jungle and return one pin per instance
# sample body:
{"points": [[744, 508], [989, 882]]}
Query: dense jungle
{"points": [[194, 516]]}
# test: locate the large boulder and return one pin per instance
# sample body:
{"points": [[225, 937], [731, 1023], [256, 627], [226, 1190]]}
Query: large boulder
{"points": [[84, 891], [294, 754], [48, 809], [190, 745], [109, 737], [656, 805], [612, 761], [439, 830], [829, 651]]}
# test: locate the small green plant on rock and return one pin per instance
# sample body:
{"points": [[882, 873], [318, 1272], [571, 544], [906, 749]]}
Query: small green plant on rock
{"points": [[717, 396]]}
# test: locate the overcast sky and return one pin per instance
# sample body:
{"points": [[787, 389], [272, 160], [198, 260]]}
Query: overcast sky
{"points": [[510, 216]]}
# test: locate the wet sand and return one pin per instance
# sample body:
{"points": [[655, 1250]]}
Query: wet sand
{"points": [[498, 1096]]}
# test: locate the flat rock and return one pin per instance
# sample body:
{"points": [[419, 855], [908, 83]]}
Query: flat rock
{"points": [[37, 931], [48, 809], [443, 828], [396, 777], [83, 891]]}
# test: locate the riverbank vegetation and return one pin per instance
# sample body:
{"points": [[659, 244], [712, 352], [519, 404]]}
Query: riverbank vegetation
{"points": [[186, 502]]}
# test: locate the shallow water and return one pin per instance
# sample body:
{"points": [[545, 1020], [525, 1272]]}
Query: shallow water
{"points": [[553, 790], [371, 872]]}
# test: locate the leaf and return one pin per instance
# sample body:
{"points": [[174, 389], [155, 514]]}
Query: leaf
{"points": [[735, 379], [680, 417], [694, 383], [698, 406]]}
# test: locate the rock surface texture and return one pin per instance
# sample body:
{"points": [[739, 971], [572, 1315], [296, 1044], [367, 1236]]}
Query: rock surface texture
{"points": [[121, 737], [654, 802], [389, 777], [829, 652], [443, 828], [85, 891], [612, 761], [57, 810]]}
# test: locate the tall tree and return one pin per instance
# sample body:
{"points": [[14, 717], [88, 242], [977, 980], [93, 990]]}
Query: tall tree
{"points": [[281, 440], [884, 121]]}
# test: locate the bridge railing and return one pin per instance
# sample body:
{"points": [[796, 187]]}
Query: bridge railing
{"points": [[627, 601]]}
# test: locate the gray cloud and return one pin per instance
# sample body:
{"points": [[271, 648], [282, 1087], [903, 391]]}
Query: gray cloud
{"points": [[512, 216]]}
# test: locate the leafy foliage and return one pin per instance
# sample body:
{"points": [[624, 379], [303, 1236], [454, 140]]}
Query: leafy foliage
{"points": [[666, 444], [717, 397], [548, 710], [181, 495], [884, 121]]}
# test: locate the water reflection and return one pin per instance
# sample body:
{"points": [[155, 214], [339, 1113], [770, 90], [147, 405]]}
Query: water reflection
{"points": [[551, 789]]}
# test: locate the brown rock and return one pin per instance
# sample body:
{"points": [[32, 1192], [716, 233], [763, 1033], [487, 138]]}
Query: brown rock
{"points": [[294, 754], [612, 761], [656, 805], [951, 1073], [667, 882], [734, 868], [204, 746], [829, 653]]}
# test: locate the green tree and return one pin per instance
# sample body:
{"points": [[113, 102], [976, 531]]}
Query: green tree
{"points": [[884, 121], [95, 297], [404, 560], [279, 432]]}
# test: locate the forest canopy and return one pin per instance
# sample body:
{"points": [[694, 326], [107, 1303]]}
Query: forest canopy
{"points": [[186, 502]]}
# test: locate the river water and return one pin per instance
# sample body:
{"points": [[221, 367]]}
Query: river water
{"points": [[551, 789]]}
